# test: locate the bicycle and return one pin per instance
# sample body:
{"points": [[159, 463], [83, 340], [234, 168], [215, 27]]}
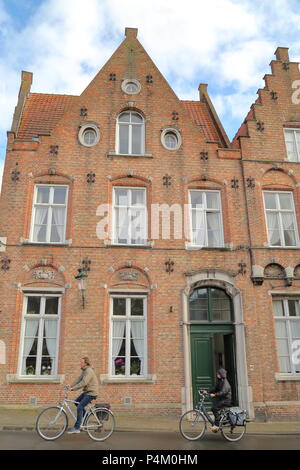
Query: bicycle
{"points": [[98, 421], [193, 423]]}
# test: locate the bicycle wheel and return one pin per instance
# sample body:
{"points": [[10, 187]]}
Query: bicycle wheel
{"points": [[231, 433], [51, 423], [100, 424], [192, 425]]}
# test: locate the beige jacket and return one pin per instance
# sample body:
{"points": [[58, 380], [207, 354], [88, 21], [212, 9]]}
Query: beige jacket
{"points": [[87, 381]]}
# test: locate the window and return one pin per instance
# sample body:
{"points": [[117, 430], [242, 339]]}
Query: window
{"points": [[89, 134], [206, 218], [209, 305], [128, 356], [292, 142], [131, 86], [287, 327], [171, 139], [40, 335], [280, 218], [130, 134], [130, 216], [49, 214]]}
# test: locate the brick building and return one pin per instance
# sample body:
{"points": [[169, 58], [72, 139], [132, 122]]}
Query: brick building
{"points": [[91, 186]]}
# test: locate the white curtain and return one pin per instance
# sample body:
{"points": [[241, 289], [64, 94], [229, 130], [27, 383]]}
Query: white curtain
{"points": [[199, 229], [122, 225], [50, 335], [117, 340], [30, 335], [39, 224], [58, 222], [213, 229], [289, 229], [137, 330], [138, 225], [273, 229], [278, 308]]}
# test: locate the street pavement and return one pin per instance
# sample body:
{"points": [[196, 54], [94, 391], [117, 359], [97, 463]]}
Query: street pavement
{"points": [[21, 418], [136, 441]]}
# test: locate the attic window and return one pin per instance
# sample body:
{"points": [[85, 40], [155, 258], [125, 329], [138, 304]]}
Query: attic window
{"points": [[171, 139], [89, 134], [131, 86]]}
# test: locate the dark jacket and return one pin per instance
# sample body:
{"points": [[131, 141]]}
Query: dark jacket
{"points": [[222, 390]]}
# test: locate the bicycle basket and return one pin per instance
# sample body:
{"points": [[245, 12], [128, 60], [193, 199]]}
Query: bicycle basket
{"points": [[237, 416], [101, 413]]}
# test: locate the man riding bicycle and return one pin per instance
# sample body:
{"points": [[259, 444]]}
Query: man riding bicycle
{"points": [[89, 383]]}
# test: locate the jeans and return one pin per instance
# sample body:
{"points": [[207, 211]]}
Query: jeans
{"points": [[83, 400]]}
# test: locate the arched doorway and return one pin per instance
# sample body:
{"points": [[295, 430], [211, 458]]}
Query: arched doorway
{"points": [[212, 338]]}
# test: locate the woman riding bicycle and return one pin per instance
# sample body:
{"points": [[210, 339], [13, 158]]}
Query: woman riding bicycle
{"points": [[221, 395]]}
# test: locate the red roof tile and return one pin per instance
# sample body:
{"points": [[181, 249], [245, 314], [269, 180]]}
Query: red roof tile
{"points": [[42, 112], [202, 118]]}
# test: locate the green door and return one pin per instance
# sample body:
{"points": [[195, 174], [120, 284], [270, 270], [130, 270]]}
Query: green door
{"points": [[212, 339], [202, 363], [230, 365]]}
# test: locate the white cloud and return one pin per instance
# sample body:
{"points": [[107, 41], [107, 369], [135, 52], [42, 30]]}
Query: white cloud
{"points": [[225, 43], [1, 172]]}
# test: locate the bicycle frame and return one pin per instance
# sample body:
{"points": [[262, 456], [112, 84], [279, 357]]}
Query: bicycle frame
{"points": [[202, 409], [64, 406]]}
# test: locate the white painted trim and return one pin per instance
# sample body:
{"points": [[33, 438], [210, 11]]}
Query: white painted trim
{"points": [[22, 334], [49, 206]]}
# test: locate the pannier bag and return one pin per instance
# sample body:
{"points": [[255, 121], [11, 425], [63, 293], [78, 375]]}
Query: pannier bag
{"points": [[237, 416], [101, 413]]}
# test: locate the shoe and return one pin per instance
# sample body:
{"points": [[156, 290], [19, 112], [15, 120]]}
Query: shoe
{"points": [[215, 428], [74, 431]]}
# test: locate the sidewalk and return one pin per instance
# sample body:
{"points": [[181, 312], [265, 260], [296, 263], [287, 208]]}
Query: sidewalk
{"points": [[20, 418]]}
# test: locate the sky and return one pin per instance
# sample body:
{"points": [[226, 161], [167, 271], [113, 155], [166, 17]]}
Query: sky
{"points": [[227, 44]]}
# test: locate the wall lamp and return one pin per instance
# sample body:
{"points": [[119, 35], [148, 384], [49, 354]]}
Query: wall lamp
{"points": [[81, 277]]}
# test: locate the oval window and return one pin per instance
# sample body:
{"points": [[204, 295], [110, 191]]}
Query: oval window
{"points": [[171, 139], [131, 86], [89, 134]]}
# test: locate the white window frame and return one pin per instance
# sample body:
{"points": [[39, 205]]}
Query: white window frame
{"points": [[115, 241], [41, 317], [49, 205], [128, 319], [279, 211], [288, 320], [205, 210], [129, 124], [294, 130]]}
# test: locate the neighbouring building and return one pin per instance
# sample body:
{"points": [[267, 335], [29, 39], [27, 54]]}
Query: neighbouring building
{"points": [[134, 232]]}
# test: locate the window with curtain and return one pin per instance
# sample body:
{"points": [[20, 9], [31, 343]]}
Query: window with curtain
{"points": [[280, 218], [206, 218], [130, 216], [49, 214], [130, 134], [40, 335], [128, 340], [287, 330], [292, 143]]}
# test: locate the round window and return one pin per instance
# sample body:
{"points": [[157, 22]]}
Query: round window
{"points": [[89, 135], [131, 86], [171, 139]]}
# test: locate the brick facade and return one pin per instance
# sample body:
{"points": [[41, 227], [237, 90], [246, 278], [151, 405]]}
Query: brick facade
{"points": [[43, 146]]}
